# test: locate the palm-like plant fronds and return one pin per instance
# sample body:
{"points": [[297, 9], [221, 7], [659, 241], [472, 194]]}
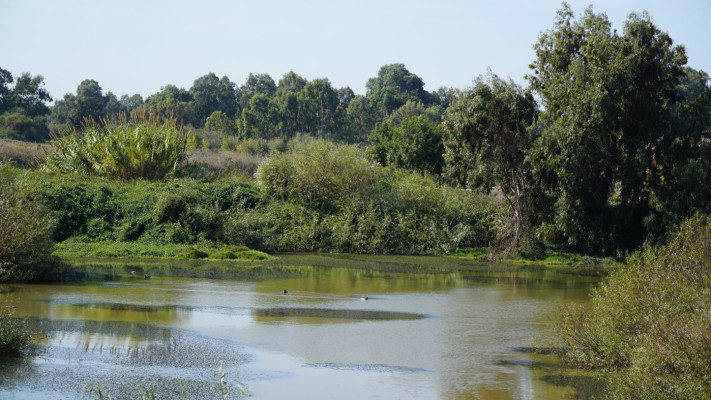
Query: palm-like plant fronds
{"points": [[147, 147]]}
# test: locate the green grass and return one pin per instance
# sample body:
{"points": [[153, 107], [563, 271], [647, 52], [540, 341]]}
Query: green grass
{"points": [[474, 253], [112, 249], [567, 262]]}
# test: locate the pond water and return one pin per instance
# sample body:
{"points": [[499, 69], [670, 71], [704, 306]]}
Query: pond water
{"points": [[339, 333]]}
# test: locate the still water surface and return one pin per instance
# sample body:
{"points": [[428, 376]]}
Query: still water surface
{"points": [[446, 335]]}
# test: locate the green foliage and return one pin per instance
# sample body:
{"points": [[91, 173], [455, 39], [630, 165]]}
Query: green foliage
{"points": [[326, 197], [16, 124], [414, 145], [220, 122], [15, 335], [649, 323], [90, 101], [321, 176], [171, 102], [486, 142], [23, 108], [25, 233], [147, 148], [393, 87], [176, 212], [209, 94], [610, 137]]}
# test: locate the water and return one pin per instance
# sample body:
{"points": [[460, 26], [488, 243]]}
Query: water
{"points": [[339, 333]]}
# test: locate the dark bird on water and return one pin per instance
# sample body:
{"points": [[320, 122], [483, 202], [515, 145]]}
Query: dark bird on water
{"points": [[147, 276], [286, 291]]}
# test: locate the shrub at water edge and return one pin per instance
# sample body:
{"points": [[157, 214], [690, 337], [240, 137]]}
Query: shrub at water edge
{"points": [[650, 324], [25, 233]]}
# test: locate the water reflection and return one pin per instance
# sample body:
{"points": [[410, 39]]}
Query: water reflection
{"points": [[325, 315], [445, 334]]}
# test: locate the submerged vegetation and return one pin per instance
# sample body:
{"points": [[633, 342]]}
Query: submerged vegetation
{"points": [[15, 336]]}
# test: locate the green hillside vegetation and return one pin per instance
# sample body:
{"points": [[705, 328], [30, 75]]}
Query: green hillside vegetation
{"points": [[597, 168]]}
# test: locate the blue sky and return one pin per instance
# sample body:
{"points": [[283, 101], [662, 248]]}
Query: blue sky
{"points": [[138, 46]]}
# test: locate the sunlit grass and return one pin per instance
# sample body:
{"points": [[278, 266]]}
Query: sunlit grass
{"points": [[113, 249]]}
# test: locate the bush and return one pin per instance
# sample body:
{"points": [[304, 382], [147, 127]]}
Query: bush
{"points": [[322, 176], [25, 232], [328, 197], [650, 322], [180, 211], [145, 148], [191, 254]]}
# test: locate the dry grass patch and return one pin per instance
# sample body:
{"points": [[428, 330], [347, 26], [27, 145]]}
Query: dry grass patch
{"points": [[23, 153], [222, 162]]}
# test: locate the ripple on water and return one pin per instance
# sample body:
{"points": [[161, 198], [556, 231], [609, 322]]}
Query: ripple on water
{"points": [[81, 355]]}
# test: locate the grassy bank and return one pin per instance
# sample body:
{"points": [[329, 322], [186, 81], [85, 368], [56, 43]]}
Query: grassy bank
{"points": [[325, 198], [110, 249]]}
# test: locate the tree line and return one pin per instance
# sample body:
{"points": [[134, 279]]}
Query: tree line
{"points": [[608, 146], [259, 108]]}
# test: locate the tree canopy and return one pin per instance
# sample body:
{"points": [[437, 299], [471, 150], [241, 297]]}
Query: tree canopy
{"points": [[486, 142], [609, 131]]}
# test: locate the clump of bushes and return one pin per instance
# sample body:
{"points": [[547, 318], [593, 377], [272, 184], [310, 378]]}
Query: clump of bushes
{"points": [[650, 323], [146, 147], [178, 212], [24, 228], [317, 197], [328, 197]]}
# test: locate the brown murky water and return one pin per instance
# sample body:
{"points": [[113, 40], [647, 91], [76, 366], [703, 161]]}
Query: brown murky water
{"points": [[449, 335]]}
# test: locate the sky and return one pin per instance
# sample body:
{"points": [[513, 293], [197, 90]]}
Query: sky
{"points": [[139, 46]]}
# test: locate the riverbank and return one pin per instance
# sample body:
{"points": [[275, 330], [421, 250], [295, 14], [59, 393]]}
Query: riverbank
{"points": [[172, 251]]}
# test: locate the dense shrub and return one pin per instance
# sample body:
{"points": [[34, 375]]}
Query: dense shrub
{"points": [[181, 211], [24, 228], [326, 197], [651, 323], [322, 176], [317, 197], [145, 148]]}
